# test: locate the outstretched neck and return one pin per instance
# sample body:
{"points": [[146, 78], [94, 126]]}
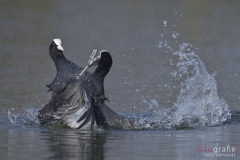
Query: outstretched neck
{"points": [[57, 56], [103, 67], [100, 73]]}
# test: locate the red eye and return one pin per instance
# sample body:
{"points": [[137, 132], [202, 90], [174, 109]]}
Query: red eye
{"points": [[54, 44]]}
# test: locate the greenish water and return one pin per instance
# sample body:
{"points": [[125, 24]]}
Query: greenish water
{"points": [[142, 38]]}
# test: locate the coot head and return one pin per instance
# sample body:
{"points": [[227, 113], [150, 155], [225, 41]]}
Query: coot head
{"points": [[105, 60], [94, 83], [104, 64], [56, 49]]}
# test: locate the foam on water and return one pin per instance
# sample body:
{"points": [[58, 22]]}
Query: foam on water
{"points": [[197, 103]]}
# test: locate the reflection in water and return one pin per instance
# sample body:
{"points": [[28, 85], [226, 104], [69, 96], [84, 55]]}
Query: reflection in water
{"points": [[76, 145], [53, 144], [131, 31], [45, 143]]}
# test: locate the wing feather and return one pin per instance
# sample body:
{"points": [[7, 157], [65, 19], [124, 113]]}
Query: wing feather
{"points": [[77, 109]]}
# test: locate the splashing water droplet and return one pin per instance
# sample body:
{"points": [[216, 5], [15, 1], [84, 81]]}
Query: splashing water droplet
{"points": [[165, 23], [197, 103]]}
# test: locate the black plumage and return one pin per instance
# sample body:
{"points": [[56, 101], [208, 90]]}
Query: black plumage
{"points": [[65, 68], [80, 101]]}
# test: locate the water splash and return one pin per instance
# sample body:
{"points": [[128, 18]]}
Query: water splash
{"points": [[197, 103], [27, 117], [23, 118]]}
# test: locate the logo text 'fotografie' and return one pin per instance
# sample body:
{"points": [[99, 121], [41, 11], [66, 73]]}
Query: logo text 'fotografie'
{"points": [[227, 151]]}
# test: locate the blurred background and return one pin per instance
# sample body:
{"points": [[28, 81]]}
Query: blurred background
{"points": [[134, 32], [130, 31]]}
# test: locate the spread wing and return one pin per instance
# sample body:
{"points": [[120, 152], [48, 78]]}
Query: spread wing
{"points": [[77, 109], [72, 105], [66, 70]]}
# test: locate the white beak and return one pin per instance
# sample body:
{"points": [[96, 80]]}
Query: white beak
{"points": [[60, 48]]}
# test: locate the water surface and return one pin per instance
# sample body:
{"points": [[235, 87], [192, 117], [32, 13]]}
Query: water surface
{"points": [[145, 40]]}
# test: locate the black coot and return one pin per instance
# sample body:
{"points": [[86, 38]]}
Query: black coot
{"points": [[65, 68], [80, 101], [93, 84]]}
